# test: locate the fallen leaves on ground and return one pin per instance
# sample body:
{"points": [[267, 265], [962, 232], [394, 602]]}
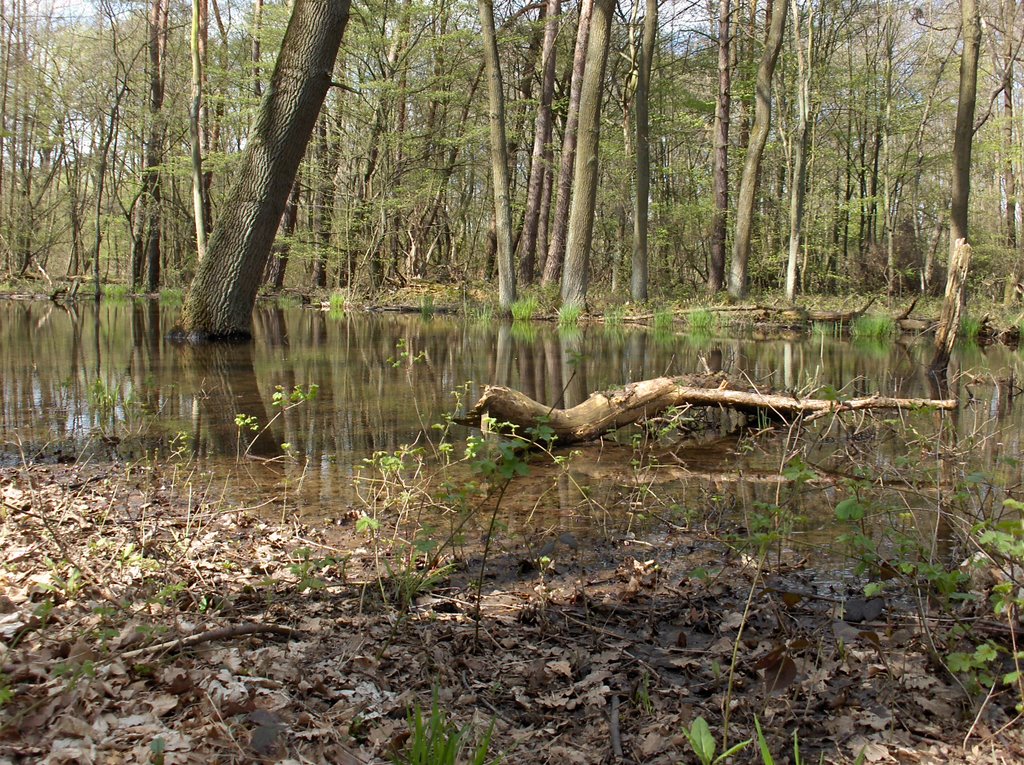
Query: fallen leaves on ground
{"points": [[139, 626]]}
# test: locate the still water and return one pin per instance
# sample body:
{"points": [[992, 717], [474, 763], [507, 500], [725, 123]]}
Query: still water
{"points": [[102, 382]]}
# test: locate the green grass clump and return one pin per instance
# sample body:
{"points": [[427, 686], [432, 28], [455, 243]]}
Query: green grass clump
{"points": [[336, 301], [117, 291], [664, 319], [525, 308], [569, 315], [427, 306], [172, 296], [702, 321], [435, 740], [614, 316], [970, 328], [873, 327]]}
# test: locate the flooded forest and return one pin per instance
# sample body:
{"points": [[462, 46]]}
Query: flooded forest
{"points": [[616, 381]]}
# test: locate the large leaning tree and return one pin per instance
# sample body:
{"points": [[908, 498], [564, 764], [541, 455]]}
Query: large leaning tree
{"points": [[222, 295]]}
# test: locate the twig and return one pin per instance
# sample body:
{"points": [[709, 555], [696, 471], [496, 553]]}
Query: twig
{"points": [[613, 725], [222, 633]]}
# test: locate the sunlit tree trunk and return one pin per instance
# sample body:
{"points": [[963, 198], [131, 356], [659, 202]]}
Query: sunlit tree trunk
{"points": [[584, 188], [798, 181], [638, 277], [758, 138], [528, 242], [1009, 17], [221, 298], [964, 130], [499, 160], [720, 169], [567, 162], [199, 12]]}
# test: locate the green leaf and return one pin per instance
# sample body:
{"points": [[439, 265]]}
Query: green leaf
{"points": [[701, 740], [850, 509]]}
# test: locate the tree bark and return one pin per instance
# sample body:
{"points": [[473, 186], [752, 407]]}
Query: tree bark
{"points": [[798, 182], [952, 307], [720, 169], [528, 241], [198, 184], [638, 272], [222, 295], [584, 191], [751, 166], [499, 161], [605, 411], [964, 130], [567, 162]]}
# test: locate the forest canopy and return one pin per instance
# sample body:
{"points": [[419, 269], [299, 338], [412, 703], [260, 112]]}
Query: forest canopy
{"points": [[99, 130]]}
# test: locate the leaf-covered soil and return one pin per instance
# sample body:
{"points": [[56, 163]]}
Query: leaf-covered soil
{"points": [[140, 622]]}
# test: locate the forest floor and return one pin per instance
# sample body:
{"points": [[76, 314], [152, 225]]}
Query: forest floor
{"points": [[140, 622]]}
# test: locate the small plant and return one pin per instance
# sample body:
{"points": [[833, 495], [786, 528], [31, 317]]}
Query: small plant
{"points": [[704, 745], [427, 306], [117, 291], [970, 328], [702, 321], [873, 327], [437, 741], [171, 296], [664, 319], [337, 301], [614, 316], [525, 308], [569, 315]]}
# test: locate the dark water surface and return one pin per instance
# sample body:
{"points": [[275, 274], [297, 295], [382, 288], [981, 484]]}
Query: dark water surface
{"points": [[98, 383]]}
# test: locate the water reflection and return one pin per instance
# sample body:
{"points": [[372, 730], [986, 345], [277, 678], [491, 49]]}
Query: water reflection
{"points": [[103, 380]]}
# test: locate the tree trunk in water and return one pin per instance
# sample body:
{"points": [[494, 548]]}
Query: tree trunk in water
{"points": [[638, 277], [952, 306], [964, 130], [720, 171], [220, 301], [528, 241], [584, 187], [751, 166], [605, 411], [499, 161], [278, 265], [567, 163]]}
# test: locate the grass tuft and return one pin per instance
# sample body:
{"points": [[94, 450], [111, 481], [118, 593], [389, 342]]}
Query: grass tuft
{"points": [[569, 315], [702, 321], [873, 327], [525, 308], [664, 320]]}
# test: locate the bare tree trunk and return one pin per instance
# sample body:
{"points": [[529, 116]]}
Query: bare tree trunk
{"points": [[278, 265], [257, 28], [952, 305], [528, 241], [220, 301], [720, 170], [638, 278], [1010, 293], [567, 163], [499, 161], [199, 12], [751, 166], [798, 182], [584, 191], [964, 130]]}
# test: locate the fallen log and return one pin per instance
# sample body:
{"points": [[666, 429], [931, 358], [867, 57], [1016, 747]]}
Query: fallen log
{"points": [[605, 411]]}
